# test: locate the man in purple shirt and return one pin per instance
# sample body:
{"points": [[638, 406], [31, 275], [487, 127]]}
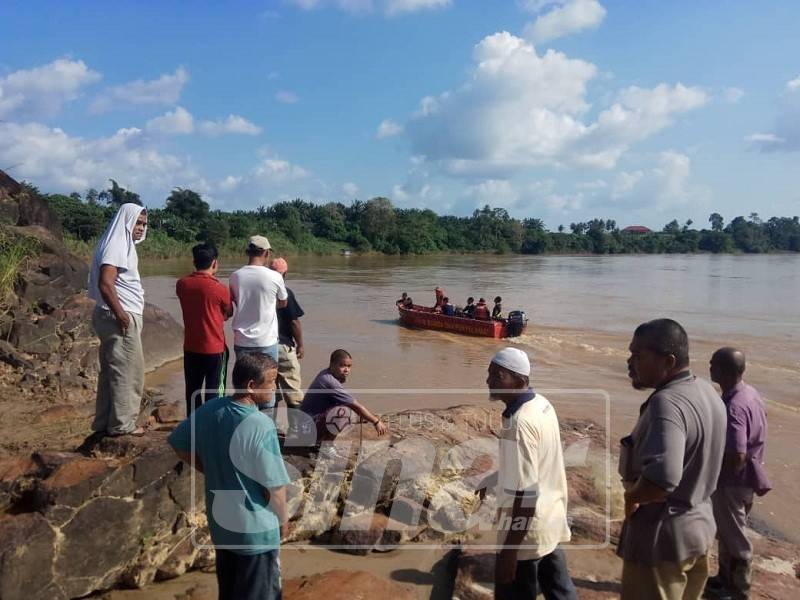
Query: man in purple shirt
{"points": [[742, 473], [329, 404]]}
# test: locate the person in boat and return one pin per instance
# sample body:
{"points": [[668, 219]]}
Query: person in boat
{"points": [[330, 405], [497, 311], [447, 308], [402, 300], [408, 303], [469, 310], [439, 299], [481, 311]]}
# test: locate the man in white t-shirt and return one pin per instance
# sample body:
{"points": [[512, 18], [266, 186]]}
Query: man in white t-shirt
{"points": [[531, 487], [257, 292]]}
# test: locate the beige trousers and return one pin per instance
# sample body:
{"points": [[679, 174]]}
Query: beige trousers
{"points": [[665, 581], [289, 381], [120, 384]]}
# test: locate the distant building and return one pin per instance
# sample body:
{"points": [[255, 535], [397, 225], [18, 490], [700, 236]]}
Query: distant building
{"points": [[637, 229]]}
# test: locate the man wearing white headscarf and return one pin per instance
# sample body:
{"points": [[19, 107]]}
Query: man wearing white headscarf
{"points": [[115, 286], [531, 487]]}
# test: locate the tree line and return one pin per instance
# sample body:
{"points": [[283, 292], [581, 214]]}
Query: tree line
{"points": [[377, 225]]}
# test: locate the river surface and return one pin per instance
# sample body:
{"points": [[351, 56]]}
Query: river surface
{"points": [[582, 312]]}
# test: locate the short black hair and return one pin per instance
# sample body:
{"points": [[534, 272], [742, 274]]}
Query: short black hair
{"points": [[665, 336], [470, 300], [338, 355], [255, 251], [498, 299], [731, 360], [204, 254], [251, 366], [445, 299]]}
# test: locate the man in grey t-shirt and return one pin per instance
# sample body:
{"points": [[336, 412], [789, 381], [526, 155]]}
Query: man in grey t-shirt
{"points": [[669, 465]]}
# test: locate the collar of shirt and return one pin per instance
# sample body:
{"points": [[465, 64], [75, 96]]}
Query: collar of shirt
{"points": [[521, 399], [727, 396], [678, 377]]}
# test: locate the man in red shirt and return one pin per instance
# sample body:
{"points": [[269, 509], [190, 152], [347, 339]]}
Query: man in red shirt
{"points": [[206, 305]]}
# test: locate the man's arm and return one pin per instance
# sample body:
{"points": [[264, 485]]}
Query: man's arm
{"points": [[297, 334], [365, 414], [506, 565], [189, 459], [276, 499], [108, 290]]}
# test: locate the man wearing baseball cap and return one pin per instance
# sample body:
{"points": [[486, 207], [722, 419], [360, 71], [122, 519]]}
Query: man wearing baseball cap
{"points": [[257, 291], [531, 487]]}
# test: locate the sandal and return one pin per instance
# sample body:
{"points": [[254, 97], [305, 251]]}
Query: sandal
{"points": [[138, 432]]}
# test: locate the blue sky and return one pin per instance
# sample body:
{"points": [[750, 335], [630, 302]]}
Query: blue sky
{"points": [[560, 109]]}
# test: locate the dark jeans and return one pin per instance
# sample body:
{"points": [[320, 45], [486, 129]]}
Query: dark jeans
{"points": [[203, 372], [248, 576], [548, 575]]}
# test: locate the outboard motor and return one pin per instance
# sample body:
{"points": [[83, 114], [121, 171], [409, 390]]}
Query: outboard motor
{"points": [[516, 323]]}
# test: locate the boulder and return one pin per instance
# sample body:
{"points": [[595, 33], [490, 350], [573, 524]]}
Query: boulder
{"points": [[119, 517], [11, 356], [162, 337], [36, 337]]}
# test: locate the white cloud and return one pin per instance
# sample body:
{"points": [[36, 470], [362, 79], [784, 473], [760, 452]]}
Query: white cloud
{"points": [[233, 124], [785, 136], [625, 182], [164, 91], [597, 184], [59, 162], [286, 97], [350, 189], [42, 91], [176, 122], [277, 170], [568, 17], [732, 95], [388, 128], [519, 109], [398, 7], [495, 192]]}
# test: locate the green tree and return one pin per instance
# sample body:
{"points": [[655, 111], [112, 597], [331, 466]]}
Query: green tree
{"points": [[717, 222], [672, 228], [116, 195], [187, 205]]}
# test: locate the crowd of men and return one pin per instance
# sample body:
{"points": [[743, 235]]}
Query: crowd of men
{"points": [[690, 468]]}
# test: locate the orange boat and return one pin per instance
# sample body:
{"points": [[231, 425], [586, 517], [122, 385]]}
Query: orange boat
{"points": [[425, 318]]}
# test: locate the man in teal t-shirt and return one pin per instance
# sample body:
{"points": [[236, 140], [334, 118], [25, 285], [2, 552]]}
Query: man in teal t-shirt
{"points": [[236, 447]]}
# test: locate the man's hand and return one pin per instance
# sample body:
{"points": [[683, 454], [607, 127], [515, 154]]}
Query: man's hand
{"points": [[630, 507], [124, 322], [380, 427], [300, 350], [505, 567]]}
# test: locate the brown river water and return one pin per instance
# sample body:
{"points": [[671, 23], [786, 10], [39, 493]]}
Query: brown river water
{"points": [[582, 311]]}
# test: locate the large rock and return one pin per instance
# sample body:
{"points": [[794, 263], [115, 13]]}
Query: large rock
{"points": [[120, 517]]}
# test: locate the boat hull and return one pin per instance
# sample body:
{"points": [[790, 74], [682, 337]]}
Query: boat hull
{"points": [[425, 318]]}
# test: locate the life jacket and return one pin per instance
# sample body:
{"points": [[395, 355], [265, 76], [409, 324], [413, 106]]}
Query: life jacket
{"points": [[481, 311]]}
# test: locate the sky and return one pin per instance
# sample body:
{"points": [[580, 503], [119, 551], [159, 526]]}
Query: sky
{"points": [[563, 110]]}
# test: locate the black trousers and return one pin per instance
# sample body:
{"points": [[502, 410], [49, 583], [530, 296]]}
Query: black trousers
{"points": [[204, 374], [249, 577], [548, 575]]}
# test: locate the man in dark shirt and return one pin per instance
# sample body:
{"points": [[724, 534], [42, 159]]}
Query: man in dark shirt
{"points": [[669, 465], [327, 401], [206, 305], [742, 474], [469, 309], [290, 349]]}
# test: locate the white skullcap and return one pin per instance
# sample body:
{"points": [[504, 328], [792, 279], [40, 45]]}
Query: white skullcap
{"points": [[514, 360]]}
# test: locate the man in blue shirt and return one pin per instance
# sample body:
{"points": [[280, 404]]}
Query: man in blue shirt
{"points": [[236, 447]]}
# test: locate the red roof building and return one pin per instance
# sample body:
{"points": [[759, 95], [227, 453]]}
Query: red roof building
{"points": [[637, 229]]}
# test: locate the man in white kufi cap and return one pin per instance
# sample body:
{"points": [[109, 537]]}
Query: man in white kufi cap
{"points": [[530, 482]]}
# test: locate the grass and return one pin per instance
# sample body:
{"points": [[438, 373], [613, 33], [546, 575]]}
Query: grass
{"points": [[15, 250], [158, 245]]}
